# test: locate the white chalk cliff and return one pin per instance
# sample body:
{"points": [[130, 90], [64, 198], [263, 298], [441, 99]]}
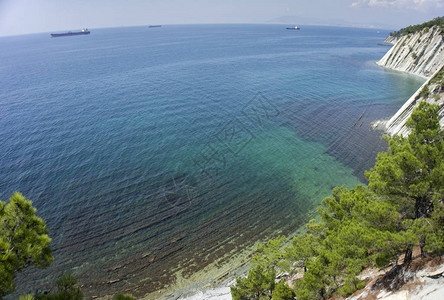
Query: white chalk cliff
{"points": [[397, 123], [422, 54]]}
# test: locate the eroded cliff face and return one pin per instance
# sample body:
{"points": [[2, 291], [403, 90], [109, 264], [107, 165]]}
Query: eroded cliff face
{"points": [[421, 53], [432, 91]]}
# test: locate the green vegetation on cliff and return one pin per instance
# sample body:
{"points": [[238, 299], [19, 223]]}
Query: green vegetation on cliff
{"points": [[402, 207], [439, 78], [438, 21], [436, 83]]}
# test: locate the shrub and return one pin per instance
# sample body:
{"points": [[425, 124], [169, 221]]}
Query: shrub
{"points": [[258, 284], [282, 292], [425, 92], [66, 290], [124, 297]]}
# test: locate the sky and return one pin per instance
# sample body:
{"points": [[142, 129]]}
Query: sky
{"points": [[33, 16]]}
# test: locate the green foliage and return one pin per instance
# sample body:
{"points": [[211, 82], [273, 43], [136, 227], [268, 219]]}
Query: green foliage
{"points": [[425, 91], [66, 290], [350, 285], [258, 285], [425, 120], [355, 226], [282, 292], [402, 206], [434, 229], [409, 174], [438, 78], [439, 21], [269, 255], [66, 285], [124, 297], [414, 55], [24, 241], [315, 282], [302, 250]]}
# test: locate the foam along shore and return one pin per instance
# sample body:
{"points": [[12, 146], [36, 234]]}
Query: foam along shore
{"points": [[427, 65], [219, 293], [421, 54], [395, 60]]}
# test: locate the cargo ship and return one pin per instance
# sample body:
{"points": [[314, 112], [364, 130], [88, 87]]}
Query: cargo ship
{"points": [[84, 31]]}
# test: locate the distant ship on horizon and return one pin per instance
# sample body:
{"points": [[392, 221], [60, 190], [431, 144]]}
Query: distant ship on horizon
{"points": [[69, 33], [294, 28], [154, 26]]}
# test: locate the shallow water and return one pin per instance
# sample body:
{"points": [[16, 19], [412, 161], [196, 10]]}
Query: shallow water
{"points": [[156, 151]]}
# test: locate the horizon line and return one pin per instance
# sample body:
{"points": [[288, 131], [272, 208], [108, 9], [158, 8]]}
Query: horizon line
{"points": [[363, 26]]}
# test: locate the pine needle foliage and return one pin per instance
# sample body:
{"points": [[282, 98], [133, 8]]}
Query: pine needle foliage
{"points": [[402, 206]]}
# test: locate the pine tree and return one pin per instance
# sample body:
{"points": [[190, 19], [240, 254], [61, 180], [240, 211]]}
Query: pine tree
{"points": [[411, 174], [402, 206], [24, 241]]}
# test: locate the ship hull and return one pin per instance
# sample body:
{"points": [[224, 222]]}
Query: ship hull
{"points": [[69, 33]]}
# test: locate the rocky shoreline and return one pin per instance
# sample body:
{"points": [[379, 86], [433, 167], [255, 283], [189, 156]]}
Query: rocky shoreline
{"points": [[421, 54], [422, 278]]}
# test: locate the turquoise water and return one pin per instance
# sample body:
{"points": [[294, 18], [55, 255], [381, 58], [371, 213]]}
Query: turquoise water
{"points": [[156, 151]]}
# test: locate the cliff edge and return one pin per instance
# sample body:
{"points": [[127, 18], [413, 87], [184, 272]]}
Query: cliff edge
{"points": [[432, 91], [420, 53], [417, 50]]}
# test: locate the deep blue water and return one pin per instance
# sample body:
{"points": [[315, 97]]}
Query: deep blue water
{"points": [[162, 150]]}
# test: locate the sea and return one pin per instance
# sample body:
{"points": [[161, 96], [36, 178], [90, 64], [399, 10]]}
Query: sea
{"points": [[160, 157]]}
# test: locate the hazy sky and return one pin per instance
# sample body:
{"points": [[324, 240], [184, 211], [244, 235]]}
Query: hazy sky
{"points": [[30, 16]]}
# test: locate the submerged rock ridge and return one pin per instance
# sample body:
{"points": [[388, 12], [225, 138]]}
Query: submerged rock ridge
{"points": [[420, 53]]}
